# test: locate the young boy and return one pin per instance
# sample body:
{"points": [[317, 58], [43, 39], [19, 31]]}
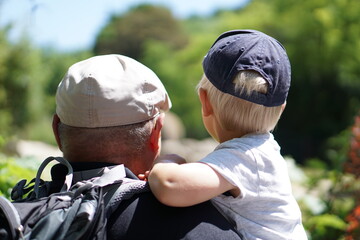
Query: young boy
{"points": [[243, 93]]}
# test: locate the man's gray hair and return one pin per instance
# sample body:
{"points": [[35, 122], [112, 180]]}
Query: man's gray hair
{"points": [[129, 140]]}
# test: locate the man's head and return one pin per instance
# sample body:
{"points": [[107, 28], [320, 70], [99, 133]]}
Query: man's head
{"points": [[108, 109], [247, 77]]}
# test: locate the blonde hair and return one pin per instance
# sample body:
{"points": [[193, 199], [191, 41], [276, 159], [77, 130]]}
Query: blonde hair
{"points": [[235, 114]]}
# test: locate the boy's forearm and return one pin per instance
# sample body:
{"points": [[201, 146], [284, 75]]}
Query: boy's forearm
{"points": [[186, 184], [165, 183]]}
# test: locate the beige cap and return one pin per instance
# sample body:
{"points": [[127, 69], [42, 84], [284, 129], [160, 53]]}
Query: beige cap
{"points": [[109, 90]]}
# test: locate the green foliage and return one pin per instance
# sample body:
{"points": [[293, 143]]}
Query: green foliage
{"points": [[336, 192], [336, 149], [22, 77], [2, 141], [6, 118], [10, 173], [326, 226], [28, 81], [23, 82], [180, 74], [129, 33], [320, 39]]}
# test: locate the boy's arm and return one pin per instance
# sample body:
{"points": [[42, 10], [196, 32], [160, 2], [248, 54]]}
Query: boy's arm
{"points": [[181, 185]]}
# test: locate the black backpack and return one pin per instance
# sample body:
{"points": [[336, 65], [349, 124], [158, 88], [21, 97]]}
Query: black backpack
{"points": [[77, 212]]}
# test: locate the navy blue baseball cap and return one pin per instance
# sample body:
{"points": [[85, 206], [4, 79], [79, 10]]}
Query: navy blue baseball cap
{"points": [[239, 50]]}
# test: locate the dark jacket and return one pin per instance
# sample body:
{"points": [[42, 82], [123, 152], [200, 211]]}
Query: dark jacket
{"points": [[144, 217]]}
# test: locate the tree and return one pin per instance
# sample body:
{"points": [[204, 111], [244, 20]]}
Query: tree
{"points": [[28, 81], [21, 84], [127, 34], [324, 50], [180, 71]]}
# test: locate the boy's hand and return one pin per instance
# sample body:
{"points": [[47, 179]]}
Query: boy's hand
{"points": [[144, 176]]}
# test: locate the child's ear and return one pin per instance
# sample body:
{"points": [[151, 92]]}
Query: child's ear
{"points": [[206, 106]]}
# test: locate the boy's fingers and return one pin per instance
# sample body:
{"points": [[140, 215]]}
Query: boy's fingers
{"points": [[143, 176]]}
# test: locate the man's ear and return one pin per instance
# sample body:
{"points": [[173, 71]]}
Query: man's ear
{"points": [[55, 127], [155, 138], [206, 106], [283, 107]]}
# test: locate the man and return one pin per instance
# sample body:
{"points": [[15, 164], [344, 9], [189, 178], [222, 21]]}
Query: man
{"points": [[110, 111]]}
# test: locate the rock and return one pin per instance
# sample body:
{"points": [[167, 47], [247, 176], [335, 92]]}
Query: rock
{"points": [[32, 149], [173, 127], [190, 149]]}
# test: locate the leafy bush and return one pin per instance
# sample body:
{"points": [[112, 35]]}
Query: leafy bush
{"points": [[337, 189], [353, 166], [328, 200], [11, 172], [326, 226]]}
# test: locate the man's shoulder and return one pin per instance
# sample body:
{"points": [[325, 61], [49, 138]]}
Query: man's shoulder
{"points": [[143, 216]]}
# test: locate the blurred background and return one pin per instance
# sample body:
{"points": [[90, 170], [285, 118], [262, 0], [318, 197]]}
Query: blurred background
{"points": [[319, 131]]}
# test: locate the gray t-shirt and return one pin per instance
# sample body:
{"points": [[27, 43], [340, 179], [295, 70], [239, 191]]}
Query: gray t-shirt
{"points": [[266, 208]]}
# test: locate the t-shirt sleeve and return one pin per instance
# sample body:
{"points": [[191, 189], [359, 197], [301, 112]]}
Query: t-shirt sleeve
{"points": [[237, 167]]}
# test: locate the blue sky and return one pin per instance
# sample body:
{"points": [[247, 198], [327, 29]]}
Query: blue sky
{"points": [[68, 25]]}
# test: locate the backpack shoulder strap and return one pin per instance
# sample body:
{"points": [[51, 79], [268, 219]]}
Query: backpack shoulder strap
{"points": [[10, 218], [68, 178], [38, 188], [127, 189]]}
